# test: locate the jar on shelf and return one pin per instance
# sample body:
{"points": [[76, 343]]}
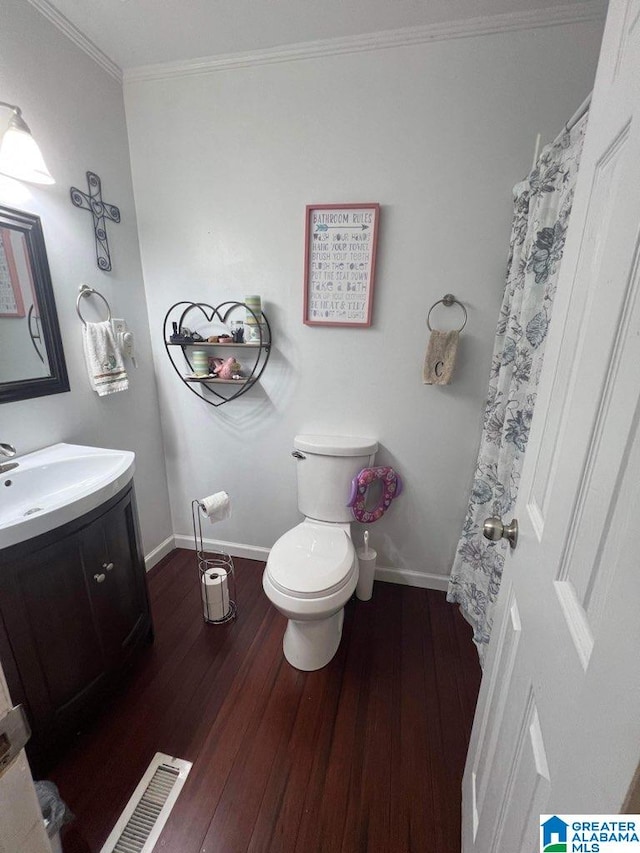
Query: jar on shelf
{"points": [[237, 331], [200, 362], [254, 326]]}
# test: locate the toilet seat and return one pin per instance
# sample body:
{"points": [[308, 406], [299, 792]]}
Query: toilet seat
{"points": [[312, 560]]}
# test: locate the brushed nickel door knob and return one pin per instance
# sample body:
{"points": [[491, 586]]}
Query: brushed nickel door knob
{"points": [[495, 530]]}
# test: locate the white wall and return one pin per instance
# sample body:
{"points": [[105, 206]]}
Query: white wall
{"points": [[76, 112], [223, 165]]}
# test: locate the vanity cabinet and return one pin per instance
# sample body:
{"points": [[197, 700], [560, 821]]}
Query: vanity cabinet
{"points": [[73, 610]]}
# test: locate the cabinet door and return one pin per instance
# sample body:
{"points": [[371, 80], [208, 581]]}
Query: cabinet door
{"points": [[115, 574], [47, 612]]}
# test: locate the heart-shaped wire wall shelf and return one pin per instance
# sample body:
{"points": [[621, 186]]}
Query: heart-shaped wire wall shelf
{"points": [[211, 319]]}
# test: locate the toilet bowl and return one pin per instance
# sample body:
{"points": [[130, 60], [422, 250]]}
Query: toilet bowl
{"points": [[311, 573], [312, 570]]}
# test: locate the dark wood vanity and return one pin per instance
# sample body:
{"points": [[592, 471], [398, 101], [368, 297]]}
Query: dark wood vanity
{"points": [[73, 612]]}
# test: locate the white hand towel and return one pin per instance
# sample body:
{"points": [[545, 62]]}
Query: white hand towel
{"points": [[104, 359]]}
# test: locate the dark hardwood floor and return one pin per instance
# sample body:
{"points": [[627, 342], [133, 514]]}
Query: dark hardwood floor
{"points": [[366, 754]]}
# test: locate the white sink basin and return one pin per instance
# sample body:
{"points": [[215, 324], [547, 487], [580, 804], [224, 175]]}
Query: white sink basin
{"points": [[57, 484]]}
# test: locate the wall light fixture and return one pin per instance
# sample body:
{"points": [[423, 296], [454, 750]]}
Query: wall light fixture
{"points": [[20, 156]]}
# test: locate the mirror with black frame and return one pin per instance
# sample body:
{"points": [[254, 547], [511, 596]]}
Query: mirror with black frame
{"points": [[31, 355]]}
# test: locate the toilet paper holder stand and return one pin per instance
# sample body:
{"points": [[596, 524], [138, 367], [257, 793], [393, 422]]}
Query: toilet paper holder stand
{"points": [[219, 602]]}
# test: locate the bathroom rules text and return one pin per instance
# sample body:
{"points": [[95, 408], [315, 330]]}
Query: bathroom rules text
{"points": [[341, 244]]}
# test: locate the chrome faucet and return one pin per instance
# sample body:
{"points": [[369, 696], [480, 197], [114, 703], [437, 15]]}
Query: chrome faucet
{"points": [[9, 451]]}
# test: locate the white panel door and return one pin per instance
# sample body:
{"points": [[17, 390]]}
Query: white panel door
{"points": [[21, 826], [557, 727]]}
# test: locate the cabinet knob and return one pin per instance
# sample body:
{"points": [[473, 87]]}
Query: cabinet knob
{"points": [[107, 566], [100, 578]]}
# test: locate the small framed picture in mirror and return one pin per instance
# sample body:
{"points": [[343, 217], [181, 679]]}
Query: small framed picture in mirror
{"points": [[11, 273], [31, 354]]}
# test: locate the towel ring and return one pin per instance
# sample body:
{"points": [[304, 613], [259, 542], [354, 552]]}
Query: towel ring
{"points": [[447, 300], [85, 290]]}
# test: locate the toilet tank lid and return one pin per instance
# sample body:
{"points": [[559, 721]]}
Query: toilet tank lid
{"points": [[336, 445]]}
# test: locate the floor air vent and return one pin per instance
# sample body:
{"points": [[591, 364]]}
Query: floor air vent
{"points": [[146, 813]]}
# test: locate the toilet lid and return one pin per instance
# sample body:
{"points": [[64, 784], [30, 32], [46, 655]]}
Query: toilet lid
{"points": [[311, 559]]}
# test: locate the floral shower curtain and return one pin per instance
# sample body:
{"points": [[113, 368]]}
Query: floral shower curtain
{"points": [[542, 205]]}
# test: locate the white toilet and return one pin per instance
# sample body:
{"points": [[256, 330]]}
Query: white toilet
{"points": [[312, 570]]}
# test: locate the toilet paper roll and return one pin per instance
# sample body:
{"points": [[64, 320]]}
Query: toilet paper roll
{"points": [[367, 570], [216, 507], [215, 594]]}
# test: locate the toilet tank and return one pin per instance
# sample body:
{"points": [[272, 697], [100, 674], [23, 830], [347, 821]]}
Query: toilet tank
{"points": [[326, 465]]}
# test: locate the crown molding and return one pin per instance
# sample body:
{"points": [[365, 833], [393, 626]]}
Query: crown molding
{"points": [[573, 13], [78, 38]]}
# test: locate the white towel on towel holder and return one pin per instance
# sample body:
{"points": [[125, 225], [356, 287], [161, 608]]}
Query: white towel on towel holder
{"points": [[104, 359]]}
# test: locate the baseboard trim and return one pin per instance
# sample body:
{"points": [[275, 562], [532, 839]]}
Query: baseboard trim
{"points": [[164, 548], [405, 577], [235, 549]]}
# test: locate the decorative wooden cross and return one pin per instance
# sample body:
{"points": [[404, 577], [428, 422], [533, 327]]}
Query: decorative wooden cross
{"points": [[101, 211]]}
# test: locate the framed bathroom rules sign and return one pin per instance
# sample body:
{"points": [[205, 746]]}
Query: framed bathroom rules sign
{"points": [[340, 264]]}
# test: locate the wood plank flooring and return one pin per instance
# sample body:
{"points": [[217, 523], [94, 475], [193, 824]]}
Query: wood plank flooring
{"points": [[366, 754]]}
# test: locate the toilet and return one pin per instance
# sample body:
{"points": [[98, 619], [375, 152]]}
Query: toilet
{"points": [[312, 569]]}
